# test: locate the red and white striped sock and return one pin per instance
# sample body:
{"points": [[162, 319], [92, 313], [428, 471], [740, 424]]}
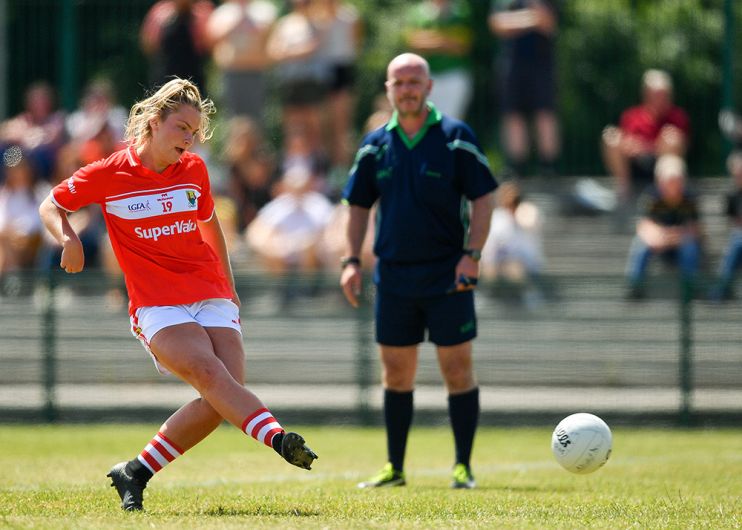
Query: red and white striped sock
{"points": [[262, 426], [158, 453]]}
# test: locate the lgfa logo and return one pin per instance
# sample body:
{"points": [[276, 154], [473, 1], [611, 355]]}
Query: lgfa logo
{"points": [[139, 207], [191, 195]]}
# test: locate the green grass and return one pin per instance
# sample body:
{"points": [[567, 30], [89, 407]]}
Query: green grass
{"points": [[54, 477]]}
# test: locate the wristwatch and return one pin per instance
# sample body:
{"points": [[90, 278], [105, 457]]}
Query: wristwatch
{"points": [[474, 253], [350, 260]]}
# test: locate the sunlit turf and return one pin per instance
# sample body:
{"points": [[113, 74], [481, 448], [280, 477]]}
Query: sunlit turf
{"points": [[54, 477]]}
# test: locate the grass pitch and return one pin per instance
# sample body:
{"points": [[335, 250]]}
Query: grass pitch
{"points": [[54, 477]]}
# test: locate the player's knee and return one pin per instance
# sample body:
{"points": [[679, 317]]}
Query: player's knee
{"points": [[201, 373]]}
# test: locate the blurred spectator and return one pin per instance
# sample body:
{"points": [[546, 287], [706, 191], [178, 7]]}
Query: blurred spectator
{"points": [[514, 248], [442, 32], [298, 150], [287, 231], [38, 130], [646, 132], [238, 31], [732, 257], [669, 225], [342, 33], [173, 37], [251, 165], [302, 74], [20, 225], [527, 72], [97, 127]]}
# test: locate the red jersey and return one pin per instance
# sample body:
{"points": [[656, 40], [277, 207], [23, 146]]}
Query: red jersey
{"points": [[152, 222], [638, 121]]}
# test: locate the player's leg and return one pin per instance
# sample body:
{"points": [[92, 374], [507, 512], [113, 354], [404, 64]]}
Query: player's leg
{"points": [[185, 428], [452, 325], [400, 327], [189, 351], [260, 424]]}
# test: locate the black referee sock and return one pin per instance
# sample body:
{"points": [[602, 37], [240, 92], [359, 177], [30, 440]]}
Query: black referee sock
{"points": [[463, 409], [137, 470], [398, 418]]}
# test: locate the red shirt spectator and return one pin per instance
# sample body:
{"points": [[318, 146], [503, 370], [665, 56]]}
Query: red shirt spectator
{"points": [[639, 121]]}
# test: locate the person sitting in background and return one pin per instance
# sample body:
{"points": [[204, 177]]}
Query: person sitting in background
{"points": [[20, 224], [669, 225], [251, 165], [733, 252], [38, 130], [287, 231], [298, 150], [645, 132], [514, 249], [441, 31]]}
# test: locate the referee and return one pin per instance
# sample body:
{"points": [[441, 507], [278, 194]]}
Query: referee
{"points": [[434, 190]]}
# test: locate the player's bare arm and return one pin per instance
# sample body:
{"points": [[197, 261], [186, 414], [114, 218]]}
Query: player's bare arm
{"points": [[213, 234], [56, 222], [351, 278]]}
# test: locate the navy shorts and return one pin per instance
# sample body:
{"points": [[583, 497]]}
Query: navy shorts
{"points": [[402, 321]]}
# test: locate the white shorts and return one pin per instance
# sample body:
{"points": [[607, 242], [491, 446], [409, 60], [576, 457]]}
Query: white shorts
{"points": [[211, 313]]}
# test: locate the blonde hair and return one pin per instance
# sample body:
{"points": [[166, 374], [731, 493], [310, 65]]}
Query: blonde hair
{"points": [[167, 99]]}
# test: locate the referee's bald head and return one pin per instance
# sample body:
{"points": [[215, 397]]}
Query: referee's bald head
{"points": [[407, 60]]}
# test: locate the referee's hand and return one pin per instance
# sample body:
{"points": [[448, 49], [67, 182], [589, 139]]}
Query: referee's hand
{"points": [[350, 282]]}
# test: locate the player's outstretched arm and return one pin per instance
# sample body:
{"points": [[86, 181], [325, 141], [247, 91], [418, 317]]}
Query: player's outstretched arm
{"points": [[56, 222]]}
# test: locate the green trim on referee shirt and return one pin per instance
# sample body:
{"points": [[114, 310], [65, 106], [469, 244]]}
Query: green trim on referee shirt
{"points": [[434, 116], [363, 151], [471, 148]]}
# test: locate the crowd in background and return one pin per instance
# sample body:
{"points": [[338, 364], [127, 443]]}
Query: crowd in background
{"points": [[278, 200]]}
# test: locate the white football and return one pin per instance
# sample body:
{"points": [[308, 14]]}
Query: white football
{"points": [[581, 443]]}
